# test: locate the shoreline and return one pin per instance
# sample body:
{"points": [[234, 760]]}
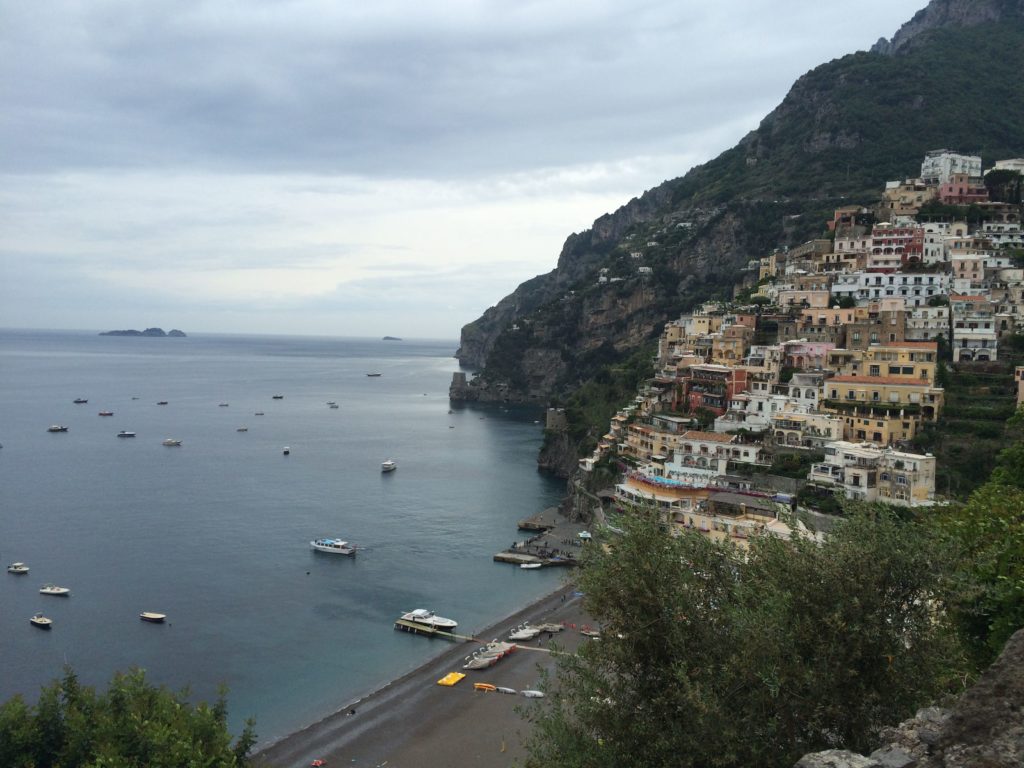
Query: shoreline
{"points": [[391, 718]]}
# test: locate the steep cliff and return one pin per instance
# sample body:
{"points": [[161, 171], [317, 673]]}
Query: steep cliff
{"points": [[843, 129]]}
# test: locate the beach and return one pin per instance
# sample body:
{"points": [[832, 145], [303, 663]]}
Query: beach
{"points": [[413, 721]]}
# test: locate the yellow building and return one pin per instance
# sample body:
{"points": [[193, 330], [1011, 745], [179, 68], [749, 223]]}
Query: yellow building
{"points": [[730, 347], [881, 410], [904, 360]]}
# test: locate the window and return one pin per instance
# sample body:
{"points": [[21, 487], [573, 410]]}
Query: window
{"points": [[874, 370], [875, 397]]}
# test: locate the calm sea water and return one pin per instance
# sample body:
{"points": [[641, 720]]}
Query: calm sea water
{"points": [[216, 533]]}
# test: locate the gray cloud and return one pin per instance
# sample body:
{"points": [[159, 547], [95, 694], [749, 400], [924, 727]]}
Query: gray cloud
{"points": [[398, 88]]}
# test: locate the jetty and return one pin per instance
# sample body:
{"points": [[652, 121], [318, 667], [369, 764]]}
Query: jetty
{"points": [[555, 542]]}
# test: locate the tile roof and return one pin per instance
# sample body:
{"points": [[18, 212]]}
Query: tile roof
{"points": [[715, 437]]}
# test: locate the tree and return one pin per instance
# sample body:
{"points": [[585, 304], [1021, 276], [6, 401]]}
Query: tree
{"points": [[711, 656], [133, 723]]}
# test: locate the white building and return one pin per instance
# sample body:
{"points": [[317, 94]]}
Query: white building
{"points": [[925, 323], [867, 473], [940, 164], [974, 335], [914, 288]]}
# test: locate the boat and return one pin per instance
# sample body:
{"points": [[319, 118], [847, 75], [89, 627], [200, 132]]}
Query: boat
{"points": [[488, 655], [451, 679], [502, 689], [258, 413], [41, 621], [484, 687], [334, 546], [18, 569], [242, 429], [223, 405], [388, 466], [53, 589], [56, 428], [80, 401], [530, 566], [106, 413], [161, 402], [153, 618], [287, 451], [125, 433], [277, 397], [170, 441], [374, 375], [426, 618], [533, 694], [524, 632], [332, 405]]}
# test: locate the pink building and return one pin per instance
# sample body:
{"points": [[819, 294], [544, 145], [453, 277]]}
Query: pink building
{"points": [[962, 189], [805, 355]]}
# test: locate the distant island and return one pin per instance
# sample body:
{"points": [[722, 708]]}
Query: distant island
{"points": [[158, 332], [391, 338]]}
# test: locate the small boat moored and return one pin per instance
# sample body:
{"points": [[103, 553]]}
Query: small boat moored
{"points": [[80, 401], [374, 375], [153, 618], [530, 566], [287, 451], [56, 428], [170, 441], [277, 397], [388, 466], [41, 621], [18, 569], [53, 589], [125, 433], [334, 546], [106, 413]]}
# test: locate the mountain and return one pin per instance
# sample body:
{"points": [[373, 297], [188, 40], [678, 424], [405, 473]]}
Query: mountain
{"points": [[950, 77]]}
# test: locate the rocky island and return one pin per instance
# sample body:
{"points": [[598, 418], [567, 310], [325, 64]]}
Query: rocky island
{"points": [[155, 332], [391, 338]]}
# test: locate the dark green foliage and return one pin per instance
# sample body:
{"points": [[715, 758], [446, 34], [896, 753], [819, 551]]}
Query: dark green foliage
{"points": [[795, 465], [712, 658], [132, 724], [1004, 186]]}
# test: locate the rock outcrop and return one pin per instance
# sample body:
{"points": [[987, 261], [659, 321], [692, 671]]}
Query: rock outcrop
{"points": [[948, 13], [983, 729], [157, 333]]}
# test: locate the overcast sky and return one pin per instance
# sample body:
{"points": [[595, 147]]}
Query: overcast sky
{"points": [[358, 168]]}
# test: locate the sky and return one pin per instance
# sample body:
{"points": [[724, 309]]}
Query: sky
{"points": [[345, 168]]}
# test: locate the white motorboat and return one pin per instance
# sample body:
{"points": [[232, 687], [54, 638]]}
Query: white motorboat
{"points": [[57, 428], [41, 621], [170, 441], [53, 589], [125, 433], [430, 619], [333, 546], [153, 618], [18, 569], [388, 466], [530, 566]]}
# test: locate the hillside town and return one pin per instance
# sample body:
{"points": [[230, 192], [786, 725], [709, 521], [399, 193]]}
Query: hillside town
{"points": [[830, 360]]}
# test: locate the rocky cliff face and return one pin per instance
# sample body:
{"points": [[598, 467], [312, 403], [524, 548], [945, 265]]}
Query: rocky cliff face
{"points": [[984, 729], [948, 13]]}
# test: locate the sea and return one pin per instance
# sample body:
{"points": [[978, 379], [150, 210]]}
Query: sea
{"points": [[216, 533]]}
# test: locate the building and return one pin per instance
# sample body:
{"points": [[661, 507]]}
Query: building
{"points": [[940, 164], [868, 473], [711, 387], [914, 288], [973, 335], [903, 360], [927, 323], [805, 430], [963, 189]]}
